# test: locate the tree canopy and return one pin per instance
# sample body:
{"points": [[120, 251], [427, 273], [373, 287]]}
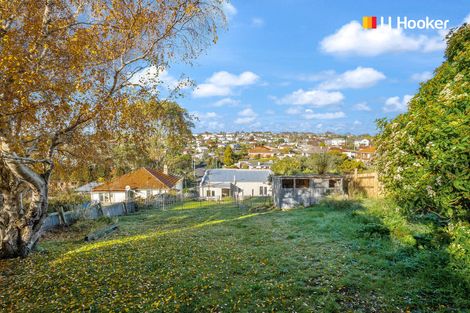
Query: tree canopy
{"points": [[67, 70]]}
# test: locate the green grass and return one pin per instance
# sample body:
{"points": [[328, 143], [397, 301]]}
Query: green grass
{"points": [[216, 257]]}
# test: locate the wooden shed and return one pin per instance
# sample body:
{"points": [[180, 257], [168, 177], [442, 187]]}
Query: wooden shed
{"points": [[304, 190]]}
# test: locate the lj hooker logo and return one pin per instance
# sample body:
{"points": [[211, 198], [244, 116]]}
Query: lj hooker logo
{"points": [[370, 22]]}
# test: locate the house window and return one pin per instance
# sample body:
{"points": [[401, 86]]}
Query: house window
{"points": [[213, 193], [208, 193], [101, 195], [287, 183], [332, 183], [260, 190], [265, 191], [302, 183]]}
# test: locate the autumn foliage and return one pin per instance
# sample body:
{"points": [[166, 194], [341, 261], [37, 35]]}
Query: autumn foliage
{"points": [[66, 68]]}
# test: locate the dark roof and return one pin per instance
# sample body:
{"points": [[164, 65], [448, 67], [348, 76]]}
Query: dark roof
{"points": [[237, 175]]}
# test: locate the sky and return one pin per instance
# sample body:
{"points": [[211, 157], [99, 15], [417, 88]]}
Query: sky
{"points": [[304, 65]]}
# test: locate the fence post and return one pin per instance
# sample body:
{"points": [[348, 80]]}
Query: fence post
{"points": [[60, 211]]}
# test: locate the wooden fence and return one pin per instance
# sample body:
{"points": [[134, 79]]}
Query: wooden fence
{"points": [[366, 184]]}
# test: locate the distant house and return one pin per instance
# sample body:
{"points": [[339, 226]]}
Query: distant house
{"points": [[142, 183], [254, 164], [366, 155], [308, 150], [219, 183], [290, 191], [361, 143], [261, 152], [336, 142], [351, 154]]}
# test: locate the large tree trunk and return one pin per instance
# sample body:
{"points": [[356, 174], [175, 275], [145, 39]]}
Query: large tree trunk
{"points": [[20, 226]]}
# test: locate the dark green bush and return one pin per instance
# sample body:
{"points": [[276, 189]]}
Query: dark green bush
{"points": [[423, 154], [374, 229]]}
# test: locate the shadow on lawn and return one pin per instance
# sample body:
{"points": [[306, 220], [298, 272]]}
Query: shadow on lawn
{"points": [[201, 217], [413, 256]]}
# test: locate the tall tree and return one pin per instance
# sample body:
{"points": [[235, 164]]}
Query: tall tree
{"points": [[324, 162], [67, 70], [228, 156]]}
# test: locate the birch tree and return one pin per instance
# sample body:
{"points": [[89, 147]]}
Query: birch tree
{"points": [[66, 69]]}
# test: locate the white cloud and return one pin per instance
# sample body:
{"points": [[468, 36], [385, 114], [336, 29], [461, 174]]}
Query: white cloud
{"points": [[394, 104], [246, 116], [229, 9], [222, 83], [226, 102], [245, 120], [224, 78], [310, 115], [210, 90], [205, 115], [467, 19], [153, 76], [257, 22], [353, 39], [209, 120], [362, 106], [361, 77], [293, 110], [215, 125], [313, 97], [421, 77]]}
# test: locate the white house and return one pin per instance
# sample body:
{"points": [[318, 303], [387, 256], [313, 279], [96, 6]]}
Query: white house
{"points": [[220, 183], [142, 183], [336, 142], [361, 143]]}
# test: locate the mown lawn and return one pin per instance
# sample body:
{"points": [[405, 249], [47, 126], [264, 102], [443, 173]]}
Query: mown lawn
{"points": [[340, 257]]}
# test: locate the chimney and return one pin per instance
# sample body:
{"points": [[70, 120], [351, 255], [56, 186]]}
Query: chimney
{"points": [[165, 169]]}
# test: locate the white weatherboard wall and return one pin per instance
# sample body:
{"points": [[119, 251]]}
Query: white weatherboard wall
{"points": [[248, 189], [120, 196], [253, 188], [108, 197], [217, 192]]}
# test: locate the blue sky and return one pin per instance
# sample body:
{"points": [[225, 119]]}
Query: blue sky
{"points": [[309, 66]]}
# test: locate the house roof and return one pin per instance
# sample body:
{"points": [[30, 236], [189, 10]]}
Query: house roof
{"points": [[367, 150], [237, 175], [87, 187], [336, 149], [260, 149], [143, 178]]}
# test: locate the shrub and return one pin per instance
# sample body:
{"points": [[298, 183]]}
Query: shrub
{"points": [[374, 229], [423, 154], [459, 249], [67, 200], [340, 204]]}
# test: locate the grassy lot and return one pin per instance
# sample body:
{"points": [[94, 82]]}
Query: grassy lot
{"points": [[335, 257]]}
